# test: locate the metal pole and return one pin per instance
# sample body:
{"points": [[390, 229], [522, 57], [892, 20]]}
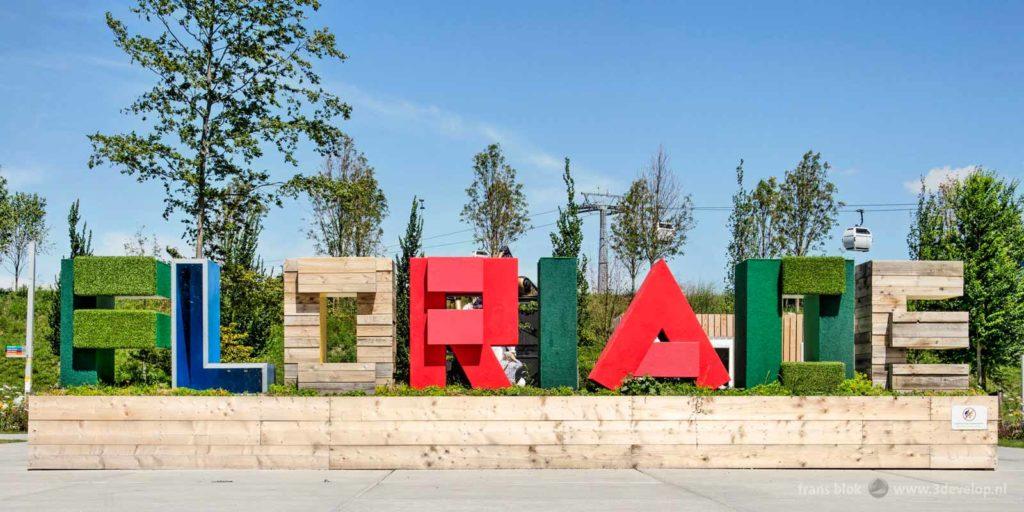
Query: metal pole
{"points": [[30, 316], [602, 253]]}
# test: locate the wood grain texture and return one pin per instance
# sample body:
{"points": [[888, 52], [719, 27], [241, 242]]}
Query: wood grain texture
{"points": [[255, 432], [308, 284], [884, 330]]}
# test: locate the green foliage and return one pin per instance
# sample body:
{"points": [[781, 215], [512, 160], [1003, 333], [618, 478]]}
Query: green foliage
{"points": [[117, 328], [81, 245], [403, 390], [348, 204], [139, 276], [802, 275], [812, 378], [640, 386], [24, 221], [861, 385], [567, 242], [273, 352], [627, 231], [496, 205], [753, 224], [143, 367], [411, 247], [341, 330], [978, 221], [45, 362], [251, 297], [807, 200], [13, 410], [233, 80], [704, 297]]}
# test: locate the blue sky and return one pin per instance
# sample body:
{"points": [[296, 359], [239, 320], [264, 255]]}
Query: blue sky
{"points": [[886, 91]]}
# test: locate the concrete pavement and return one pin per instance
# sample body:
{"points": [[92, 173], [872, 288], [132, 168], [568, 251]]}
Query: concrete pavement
{"points": [[515, 490]]}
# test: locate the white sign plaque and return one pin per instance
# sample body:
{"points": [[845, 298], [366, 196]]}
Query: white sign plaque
{"points": [[969, 417]]}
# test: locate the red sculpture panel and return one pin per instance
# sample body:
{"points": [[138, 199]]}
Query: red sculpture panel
{"points": [[469, 333], [659, 336]]}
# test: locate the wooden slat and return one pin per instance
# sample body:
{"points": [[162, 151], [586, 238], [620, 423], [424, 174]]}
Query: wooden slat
{"points": [[930, 369], [929, 382], [916, 268], [930, 316], [505, 432], [923, 343]]}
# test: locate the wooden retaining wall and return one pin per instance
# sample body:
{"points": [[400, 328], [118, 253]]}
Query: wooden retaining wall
{"points": [[253, 432]]}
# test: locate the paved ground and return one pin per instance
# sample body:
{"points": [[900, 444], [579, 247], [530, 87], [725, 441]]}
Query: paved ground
{"points": [[520, 491]]}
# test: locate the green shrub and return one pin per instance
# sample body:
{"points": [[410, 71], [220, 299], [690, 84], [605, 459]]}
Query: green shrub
{"points": [[813, 275], [138, 276], [812, 378], [116, 328]]}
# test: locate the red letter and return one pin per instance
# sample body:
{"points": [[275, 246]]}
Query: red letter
{"points": [[469, 333], [659, 311]]}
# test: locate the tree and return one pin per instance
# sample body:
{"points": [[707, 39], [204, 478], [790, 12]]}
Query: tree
{"points": [[669, 212], [232, 80], [753, 224], [412, 247], [496, 206], [978, 221], [250, 295], [628, 229], [6, 225], [348, 205], [807, 201], [26, 214], [80, 243], [567, 242]]}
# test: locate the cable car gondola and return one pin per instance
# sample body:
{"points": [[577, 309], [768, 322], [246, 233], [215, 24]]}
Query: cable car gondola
{"points": [[857, 238]]}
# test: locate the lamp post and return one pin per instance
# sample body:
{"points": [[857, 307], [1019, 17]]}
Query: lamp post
{"points": [[30, 316]]}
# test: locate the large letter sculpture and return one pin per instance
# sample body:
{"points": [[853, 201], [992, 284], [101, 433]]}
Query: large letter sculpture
{"points": [[556, 278], [469, 333], [659, 336], [886, 330], [308, 283], [91, 329], [827, 285], [195, 334]]}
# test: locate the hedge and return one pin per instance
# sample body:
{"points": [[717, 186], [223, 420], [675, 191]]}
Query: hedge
{"points": [[115, 328], [812, 378], [126, 276], [813, 275]]}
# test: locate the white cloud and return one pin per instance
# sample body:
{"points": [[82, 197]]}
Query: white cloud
{"points": [[20, 177], [939, 175], [448, 124], [453, 125]]}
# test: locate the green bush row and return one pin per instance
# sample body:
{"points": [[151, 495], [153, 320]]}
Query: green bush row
{"points": [[136, 276], [119, 328], [803, 275], [638, 386], [812, 378]]}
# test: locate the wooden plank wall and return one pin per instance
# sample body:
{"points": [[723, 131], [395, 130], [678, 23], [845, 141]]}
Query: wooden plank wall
{"points": [[722, 326], [792, 337], [308, 283], [884, 329], [249, 432], [717, 325]]}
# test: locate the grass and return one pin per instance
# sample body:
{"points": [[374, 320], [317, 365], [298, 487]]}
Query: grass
{"points": [[7, 441], [115, 328], [1011, 443], [813, 275], [140, 276]]}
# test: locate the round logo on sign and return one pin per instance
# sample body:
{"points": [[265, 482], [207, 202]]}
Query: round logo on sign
{"points": [[970, 414]]}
